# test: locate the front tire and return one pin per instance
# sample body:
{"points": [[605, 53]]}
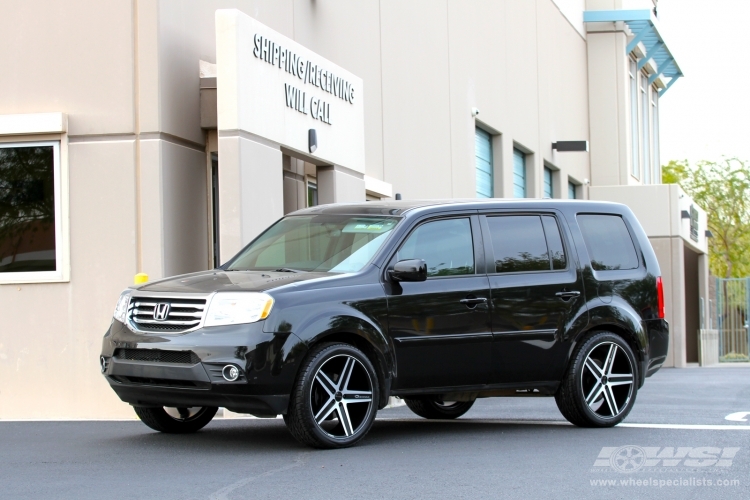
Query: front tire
{"points": [[176, 420], [599, 387], [335, 398], [435, 409]]}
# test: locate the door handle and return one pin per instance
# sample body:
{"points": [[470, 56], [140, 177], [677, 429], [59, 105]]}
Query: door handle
{"points": [[473, 301], [567, 295]]}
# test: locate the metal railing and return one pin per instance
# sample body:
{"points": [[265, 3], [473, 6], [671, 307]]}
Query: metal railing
{"points": [[732, 307]]}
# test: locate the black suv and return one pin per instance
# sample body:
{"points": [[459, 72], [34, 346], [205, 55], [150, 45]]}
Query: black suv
{"points": [[335, 308]]}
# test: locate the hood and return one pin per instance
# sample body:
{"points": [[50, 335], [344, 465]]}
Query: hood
{"points": [[218, 280]]}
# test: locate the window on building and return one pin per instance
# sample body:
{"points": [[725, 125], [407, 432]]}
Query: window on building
{"points": [[571, 191], [519, 173], [446, 246], [483, 160], [312, 194], [635, 167], [608, 242], [645, 142], [655, 135], [547, 183], [30, 219], [523, 243]]}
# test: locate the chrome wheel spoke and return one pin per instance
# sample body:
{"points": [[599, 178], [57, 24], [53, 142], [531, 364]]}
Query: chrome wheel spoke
{"points": [[620, 379], [596, 391], [594, 368], [346, 423], [346, 374], [610, 398], [610, 361], [327, 383], [326, 410]]}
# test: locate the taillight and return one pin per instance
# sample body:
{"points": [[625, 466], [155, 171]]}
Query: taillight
{"points": [[660, 296]]}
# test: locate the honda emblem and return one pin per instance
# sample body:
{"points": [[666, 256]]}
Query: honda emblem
{"points": [[161, 311]]}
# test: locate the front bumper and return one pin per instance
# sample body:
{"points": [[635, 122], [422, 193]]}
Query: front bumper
{"points": [[154, 369]]}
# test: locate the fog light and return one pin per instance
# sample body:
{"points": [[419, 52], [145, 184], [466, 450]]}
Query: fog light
{"points": [[230, 373], [103, 363]]}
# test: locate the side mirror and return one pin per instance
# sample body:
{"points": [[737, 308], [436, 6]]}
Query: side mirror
{"points": [[409, 270]]}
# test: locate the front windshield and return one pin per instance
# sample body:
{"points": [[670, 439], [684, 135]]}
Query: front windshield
{"points": [[324, 243]]}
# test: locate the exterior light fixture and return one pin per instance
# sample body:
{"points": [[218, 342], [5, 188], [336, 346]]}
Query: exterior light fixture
{"points": [[565, 146], [709, 234], [684, 214], [312, 140], [398, 196]]}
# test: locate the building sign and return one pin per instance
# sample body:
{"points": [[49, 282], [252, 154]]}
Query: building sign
{"points": [[308, 72], [272, 87], [694, 223]]}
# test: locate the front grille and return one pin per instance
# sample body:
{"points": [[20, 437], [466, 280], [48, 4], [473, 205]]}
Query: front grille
{"points": [[181, 314], [157, 356]]}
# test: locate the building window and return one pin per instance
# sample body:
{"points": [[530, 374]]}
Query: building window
{"points": [[547, 183], [635, 168], [312, 194], [571, 191], [483, 161], [645, 147], [655, 136], [30, 218], [519, 173]]}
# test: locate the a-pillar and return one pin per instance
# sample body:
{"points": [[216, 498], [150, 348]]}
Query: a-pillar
{"points": [[338, 184], [251, 190]]}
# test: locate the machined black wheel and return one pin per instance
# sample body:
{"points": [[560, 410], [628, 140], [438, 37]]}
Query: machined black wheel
{"points": [[435, 408], [600, 385], [176, 420], [335, 399]]}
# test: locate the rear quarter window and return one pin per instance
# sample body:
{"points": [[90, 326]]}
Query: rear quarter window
{"points": [[608, 241]]}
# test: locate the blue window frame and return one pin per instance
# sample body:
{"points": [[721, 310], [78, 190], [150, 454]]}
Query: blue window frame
{"points": [[571, 191], [547, 183], [635, 140], [519, 173], [483, 160]]}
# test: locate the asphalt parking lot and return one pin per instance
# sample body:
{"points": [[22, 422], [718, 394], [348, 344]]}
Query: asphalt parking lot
{"points": [[676, 443]]}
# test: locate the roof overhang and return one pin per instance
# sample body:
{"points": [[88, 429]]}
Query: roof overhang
{"points": [[645, 28]]}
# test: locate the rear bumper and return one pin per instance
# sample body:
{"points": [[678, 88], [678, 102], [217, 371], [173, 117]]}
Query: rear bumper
{"points": [[186, 369], [658, 345]]}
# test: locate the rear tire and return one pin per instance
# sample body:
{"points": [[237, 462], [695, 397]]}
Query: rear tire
{"points": [[435, 409], [176, 420], [600, 385]]}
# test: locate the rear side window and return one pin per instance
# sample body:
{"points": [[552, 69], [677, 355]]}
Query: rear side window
{"points": [[446, 246], [523, 243], [608, 241]]}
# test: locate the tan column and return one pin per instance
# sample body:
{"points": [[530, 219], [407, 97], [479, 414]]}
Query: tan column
{"points": [[251, 191], [340, 185]]}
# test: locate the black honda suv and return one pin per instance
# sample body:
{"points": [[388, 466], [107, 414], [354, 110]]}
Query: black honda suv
{"points": [[335, 308]]}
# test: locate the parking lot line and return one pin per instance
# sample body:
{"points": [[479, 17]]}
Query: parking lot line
{"points": [[560, 422]]}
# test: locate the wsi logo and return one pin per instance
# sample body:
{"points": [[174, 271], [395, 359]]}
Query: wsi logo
{"points": [[632, 458]]}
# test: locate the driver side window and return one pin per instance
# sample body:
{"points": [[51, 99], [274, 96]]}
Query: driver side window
{"points": [[446, 245]]}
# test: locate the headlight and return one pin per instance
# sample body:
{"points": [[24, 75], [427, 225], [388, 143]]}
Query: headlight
{"points": [[121, 309], [237, 308]]}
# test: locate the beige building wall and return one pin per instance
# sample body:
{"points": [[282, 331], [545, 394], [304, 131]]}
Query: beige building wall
{"points": [[126, 74]]}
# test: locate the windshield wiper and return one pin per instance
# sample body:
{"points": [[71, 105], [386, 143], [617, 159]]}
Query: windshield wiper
{"points": [[287, 270]]}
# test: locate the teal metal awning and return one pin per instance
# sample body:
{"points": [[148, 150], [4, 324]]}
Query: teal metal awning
{"points": [[644, 26]]}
